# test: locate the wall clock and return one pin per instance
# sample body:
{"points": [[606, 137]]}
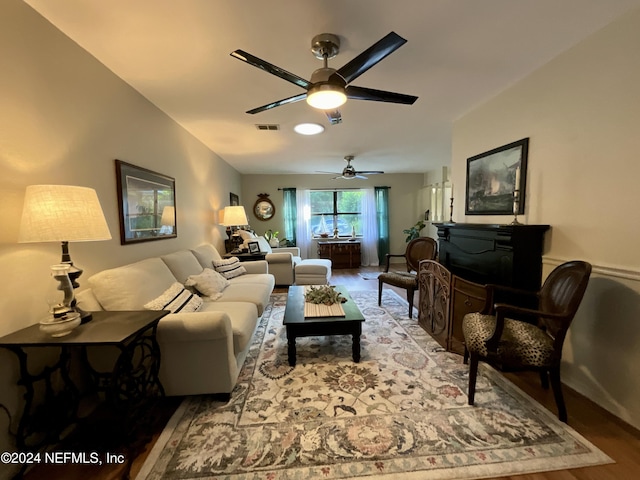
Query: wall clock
{"points": [[264, 208]]}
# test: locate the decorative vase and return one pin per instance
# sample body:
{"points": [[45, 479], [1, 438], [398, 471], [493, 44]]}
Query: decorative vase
{"points": [[274, 242], [353, 231], [60, 291]]}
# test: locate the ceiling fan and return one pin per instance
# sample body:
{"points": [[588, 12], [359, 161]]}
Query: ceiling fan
{"points": [[350, 172], [329, 88]]}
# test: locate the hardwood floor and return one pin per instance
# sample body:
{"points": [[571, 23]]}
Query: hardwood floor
{"points": [[618, 440]]}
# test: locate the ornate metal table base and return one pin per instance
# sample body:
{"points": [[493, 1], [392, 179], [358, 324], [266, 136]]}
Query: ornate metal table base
{"points": [[127, 388]]}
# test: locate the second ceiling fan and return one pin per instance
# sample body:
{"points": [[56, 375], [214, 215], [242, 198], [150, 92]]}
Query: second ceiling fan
{"points": [[329, 88], [349, 172]]}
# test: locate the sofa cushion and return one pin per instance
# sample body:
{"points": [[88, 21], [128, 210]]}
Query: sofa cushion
{"points": [[131, 286], [250, 278], [176, 299], [243, 317], [206, 254], [209, 283], [229, 267], [254, 293], [182, 264]]}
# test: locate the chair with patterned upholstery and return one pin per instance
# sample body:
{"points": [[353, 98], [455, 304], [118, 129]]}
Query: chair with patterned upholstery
{"points": [[421, 248], [513, 338]]}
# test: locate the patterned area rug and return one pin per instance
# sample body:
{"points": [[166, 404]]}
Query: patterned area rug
{"points": [[369, 275], [400, 413]]}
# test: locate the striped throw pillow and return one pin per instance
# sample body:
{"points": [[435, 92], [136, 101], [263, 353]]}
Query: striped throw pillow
{"points": [[177, 299], [229, 267]]}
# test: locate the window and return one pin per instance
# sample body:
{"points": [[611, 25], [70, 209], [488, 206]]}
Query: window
{"points": [[341, 208]]}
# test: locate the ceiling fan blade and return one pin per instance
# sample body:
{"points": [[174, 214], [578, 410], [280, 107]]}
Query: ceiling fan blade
{"points": [[361, 177], [373, 172], [270, 68], [371, 56], [334, 116], [284, 101], [361, 93], [331, 173]]}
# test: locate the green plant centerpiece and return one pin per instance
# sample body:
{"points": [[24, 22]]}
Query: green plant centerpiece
{"points": [[414, 232], [326, 295], [269, 234]]}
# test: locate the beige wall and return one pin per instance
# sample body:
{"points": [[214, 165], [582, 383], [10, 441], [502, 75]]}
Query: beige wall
{"points": [[405, 204], [64, 119], [582, 114]]}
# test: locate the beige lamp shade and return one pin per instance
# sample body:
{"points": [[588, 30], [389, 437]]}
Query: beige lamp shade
{"points": [[62, 213], [235, 216], [168, 216]]}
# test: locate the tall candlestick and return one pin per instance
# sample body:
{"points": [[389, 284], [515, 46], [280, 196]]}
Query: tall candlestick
{"points": [[451, 209], [516, 186]]}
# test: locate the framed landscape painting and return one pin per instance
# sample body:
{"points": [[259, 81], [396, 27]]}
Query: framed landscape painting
{"points": [[492, 178], [146, 204]]}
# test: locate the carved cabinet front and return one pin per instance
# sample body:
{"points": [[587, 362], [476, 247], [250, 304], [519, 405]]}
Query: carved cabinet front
{"points": [[444, 301]]}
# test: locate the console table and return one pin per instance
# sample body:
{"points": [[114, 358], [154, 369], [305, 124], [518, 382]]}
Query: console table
{"points": [[133, 378], [343, 254]]}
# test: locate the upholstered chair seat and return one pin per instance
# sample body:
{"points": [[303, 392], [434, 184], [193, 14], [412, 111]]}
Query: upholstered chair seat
{"points": [[513, 337], [418, 249], [521, 345]]}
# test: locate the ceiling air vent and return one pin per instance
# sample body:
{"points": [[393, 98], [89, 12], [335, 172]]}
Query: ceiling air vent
{"points": [[267, 126]]}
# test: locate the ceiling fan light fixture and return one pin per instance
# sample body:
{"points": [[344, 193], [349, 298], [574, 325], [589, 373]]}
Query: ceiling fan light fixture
{"points": [[308, 128], [326, 96]]}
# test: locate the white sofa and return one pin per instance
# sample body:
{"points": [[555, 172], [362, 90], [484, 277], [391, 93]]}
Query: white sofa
{"points": [[201, 352], [286, 265]]}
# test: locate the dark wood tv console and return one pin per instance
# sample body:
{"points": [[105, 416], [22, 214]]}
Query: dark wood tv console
{"points": [[475, 254], [484, 253]]}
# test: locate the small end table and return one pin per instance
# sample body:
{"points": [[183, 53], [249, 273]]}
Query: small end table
{"points": [[134, 375], [246, 257]]}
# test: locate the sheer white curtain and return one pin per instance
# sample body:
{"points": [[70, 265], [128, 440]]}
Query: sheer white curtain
{"points": [[303, 226], [369, 229]]}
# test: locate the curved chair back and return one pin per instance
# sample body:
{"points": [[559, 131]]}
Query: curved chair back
{"points": [[421, 248], [561, 294]]}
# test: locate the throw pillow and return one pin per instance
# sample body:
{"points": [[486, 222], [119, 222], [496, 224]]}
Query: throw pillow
{"points": [[246, 235], [177, 299], [229, 267], [209, 283]]}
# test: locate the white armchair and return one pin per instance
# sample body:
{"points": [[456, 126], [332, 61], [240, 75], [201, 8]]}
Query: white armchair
{"points": [[282, 261]]}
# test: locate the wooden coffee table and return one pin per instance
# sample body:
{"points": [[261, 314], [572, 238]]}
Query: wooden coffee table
{"points": [[299, 326]]}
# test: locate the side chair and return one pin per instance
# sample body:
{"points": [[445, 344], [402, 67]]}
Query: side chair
{"points": [[421, 248], [514, 338]]}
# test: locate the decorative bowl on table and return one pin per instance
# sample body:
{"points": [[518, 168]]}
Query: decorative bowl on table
{"points": [[59, 327]]}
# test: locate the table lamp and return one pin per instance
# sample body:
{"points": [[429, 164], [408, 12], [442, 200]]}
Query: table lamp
{"points": [[168, 220], [235, 217], [63, 213]]}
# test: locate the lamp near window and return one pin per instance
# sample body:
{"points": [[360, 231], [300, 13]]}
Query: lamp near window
{"points": [[63, 213], [234, 217]]}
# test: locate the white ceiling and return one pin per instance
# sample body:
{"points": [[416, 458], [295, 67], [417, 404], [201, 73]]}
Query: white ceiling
{"points": [[459, 54]]}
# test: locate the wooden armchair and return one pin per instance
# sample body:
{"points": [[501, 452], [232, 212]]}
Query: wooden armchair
{"points": [[516, 338], [421, 248]]}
